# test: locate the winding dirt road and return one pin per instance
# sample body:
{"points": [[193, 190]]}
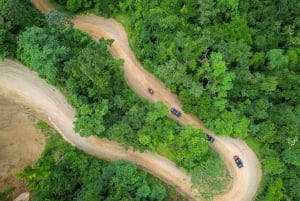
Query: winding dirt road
{"points": [[23, 85]]}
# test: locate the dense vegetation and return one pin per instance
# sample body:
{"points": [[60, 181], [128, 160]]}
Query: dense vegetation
{"points": [[93, 82], [234, 64], [65, 173], [13, 20]]}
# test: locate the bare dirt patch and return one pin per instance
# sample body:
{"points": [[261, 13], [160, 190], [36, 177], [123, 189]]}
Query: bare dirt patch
{"points": [[21, 143]]}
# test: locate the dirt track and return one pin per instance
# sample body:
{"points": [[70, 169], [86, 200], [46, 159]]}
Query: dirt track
{"points": [[26, 88]]}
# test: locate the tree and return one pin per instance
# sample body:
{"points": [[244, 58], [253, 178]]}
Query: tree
{"points": [[233, 63], [237, 30], [277, 60], [74, 175], [15, 15], [74, 6], [158, 192], [143, 191], [267, 132], [218, 80], [257, 60], [90, 120], [273, 166], [56, 19], [174, 69], [291, 156], [42, 52], [275, 191], [190, 147]]}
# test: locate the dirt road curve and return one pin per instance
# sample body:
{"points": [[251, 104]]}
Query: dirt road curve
{"points": [[26, 88]]}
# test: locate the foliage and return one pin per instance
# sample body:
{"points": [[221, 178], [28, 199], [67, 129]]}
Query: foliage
{"points": [[105, 7], [93, 82], [275, 191], [57, 19], [291, 156], [65, 173], [5, 195], [211, 176], [42, 51], [234, 64], [15, 15], [106, 107]]}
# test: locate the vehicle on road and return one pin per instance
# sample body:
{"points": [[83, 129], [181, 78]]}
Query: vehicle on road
{"points": [[238, 161], [150, 91], [175, 112], [209, 138]]}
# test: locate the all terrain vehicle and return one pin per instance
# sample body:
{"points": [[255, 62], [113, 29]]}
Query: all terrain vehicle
{"points": [[209, 138], [150, 91], [238, 161], [175, 112]]}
